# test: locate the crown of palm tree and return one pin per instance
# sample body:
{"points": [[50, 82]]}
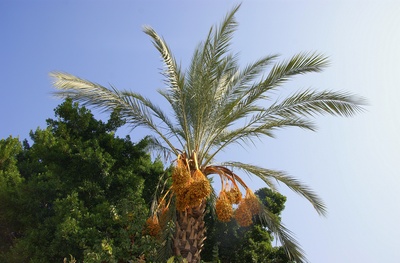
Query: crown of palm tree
{"points": [[216, 103]]}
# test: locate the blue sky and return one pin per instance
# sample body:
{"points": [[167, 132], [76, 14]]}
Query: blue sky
{"points": [[352, 163]]}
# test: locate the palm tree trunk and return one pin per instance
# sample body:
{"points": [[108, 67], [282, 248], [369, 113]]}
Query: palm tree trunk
{"points": [[190, 233]]}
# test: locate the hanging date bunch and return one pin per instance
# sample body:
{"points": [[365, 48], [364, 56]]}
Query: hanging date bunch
{"points": [[231, 196], [189, 184], [153, 227], [190, 188], [248, 207], [158, 219]]}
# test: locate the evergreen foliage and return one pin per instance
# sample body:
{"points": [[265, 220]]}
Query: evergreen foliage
{"points": [[76, 191]]}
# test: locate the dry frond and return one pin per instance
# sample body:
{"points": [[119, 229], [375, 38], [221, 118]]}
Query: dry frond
{"points": [[153, 226], [163, 216]]}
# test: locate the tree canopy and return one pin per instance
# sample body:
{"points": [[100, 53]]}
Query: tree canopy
{"points": [[77, 190]]}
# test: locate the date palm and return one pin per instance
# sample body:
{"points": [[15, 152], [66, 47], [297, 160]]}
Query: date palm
{"points": [[216, 104]]}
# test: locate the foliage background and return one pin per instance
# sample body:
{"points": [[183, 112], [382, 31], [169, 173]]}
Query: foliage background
{"points": [[77, 190]]}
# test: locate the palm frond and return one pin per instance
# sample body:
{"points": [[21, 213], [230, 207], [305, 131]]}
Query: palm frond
{"points": [[156, 146], [223, 35], [172, 71], [175, 80], [133, 107], [231, 80], [294, 184], [258, 126], [281, 72], [170, 130], [243, 80], [298, 64], [240, 101], [285, 236], [209, 67], [310, 103]]}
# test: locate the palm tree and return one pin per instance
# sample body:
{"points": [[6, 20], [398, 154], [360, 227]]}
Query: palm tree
{"points": [[217, 104]]}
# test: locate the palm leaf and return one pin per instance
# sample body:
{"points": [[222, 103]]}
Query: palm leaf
{"points": [[281, 72], [133, 107], [285, 236], [230, 81], [310, 103], [175, 80], [209, 63], [294, 184]]}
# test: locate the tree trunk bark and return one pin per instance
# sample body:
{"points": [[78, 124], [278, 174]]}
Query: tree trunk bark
{"points": [[190, 233]]}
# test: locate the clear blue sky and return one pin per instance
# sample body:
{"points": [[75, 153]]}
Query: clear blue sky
{"points": [[352, 163]]}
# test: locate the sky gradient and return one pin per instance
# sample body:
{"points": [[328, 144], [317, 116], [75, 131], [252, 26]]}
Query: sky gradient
{"points": [[352, 163]]}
